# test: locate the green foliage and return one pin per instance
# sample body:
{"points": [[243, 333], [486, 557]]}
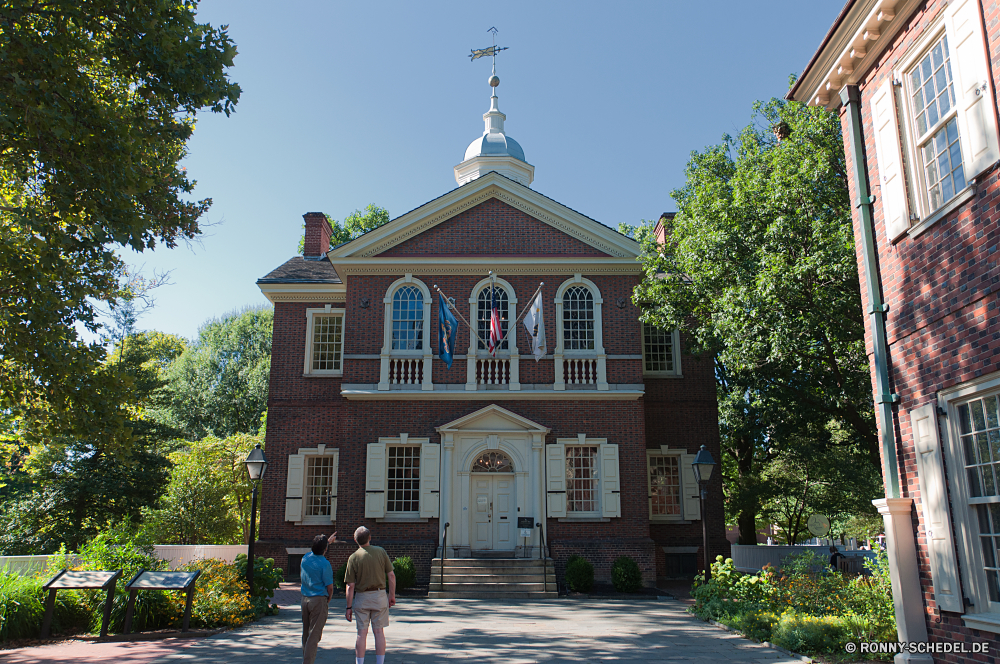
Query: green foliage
{"points": [[94, 120], [218, 386], [357, 224], [625, 575], [805, 608], [266, 579], [221, 598], [579, 574], [339, 575], [22, 606], [406, 572], [760, 275]]}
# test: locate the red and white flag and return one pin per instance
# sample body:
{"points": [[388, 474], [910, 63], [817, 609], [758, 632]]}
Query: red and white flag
{"points": [[496, 333]]}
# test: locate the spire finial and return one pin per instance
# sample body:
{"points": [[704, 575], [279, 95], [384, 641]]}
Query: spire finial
{"points": [[491, 51]]}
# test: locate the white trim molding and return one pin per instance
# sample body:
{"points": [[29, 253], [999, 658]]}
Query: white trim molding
{"points": [[406, 367], [580, 366], [311, 315]]}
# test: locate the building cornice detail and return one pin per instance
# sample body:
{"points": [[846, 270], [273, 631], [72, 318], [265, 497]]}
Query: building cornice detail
{"points": [[476, 265], [304, 292]]}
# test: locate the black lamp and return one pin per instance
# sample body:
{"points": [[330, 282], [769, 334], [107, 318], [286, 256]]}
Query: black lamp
{"points": [[256, 465], [703, 465]]}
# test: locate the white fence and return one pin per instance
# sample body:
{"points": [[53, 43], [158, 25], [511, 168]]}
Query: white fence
{"points": [[175, 554], [750, 558]]}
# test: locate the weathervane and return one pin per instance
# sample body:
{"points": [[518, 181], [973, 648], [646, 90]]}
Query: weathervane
{"points": [[489, 51]]}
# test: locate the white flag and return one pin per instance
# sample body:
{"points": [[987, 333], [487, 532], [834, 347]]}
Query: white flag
{"points": [[536, 327]]}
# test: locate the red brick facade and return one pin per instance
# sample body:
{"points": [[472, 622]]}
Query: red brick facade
{"points": [[307, 411]]}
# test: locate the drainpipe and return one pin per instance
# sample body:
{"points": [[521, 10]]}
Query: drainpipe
{"points": [[851, 98]]}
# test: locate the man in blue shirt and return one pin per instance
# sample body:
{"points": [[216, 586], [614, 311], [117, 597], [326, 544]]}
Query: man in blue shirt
{"points": [[317, 591]]}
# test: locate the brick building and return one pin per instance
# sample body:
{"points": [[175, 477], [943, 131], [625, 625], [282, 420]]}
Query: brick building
{"points": [[593, 442], [914, 83]]}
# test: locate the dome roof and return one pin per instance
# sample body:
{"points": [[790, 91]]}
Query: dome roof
{"points": [[494, 145]]}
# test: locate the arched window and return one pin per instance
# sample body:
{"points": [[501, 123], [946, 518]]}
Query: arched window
{"points": [[578, 318], [492, 462], [484, 311], [408, 319]]}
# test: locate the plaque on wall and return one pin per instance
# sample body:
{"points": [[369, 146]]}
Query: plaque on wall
{"points": [[525, 522]]}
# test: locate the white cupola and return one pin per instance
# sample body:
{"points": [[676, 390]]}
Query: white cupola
{"points": [[494, 150]]}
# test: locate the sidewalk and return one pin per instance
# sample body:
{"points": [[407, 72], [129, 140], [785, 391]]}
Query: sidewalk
{"points": [[426, 631]]}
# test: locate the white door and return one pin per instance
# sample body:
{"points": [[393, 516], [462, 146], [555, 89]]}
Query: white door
{"points": [[493, 513]]}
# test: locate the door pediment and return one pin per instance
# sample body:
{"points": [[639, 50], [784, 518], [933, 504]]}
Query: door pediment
{"points": [[492, 419]]}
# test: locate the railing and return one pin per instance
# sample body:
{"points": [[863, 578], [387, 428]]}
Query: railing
{"points": [[444, 552], [493, 371], [406, 370], [580, 371], [541, 556]]}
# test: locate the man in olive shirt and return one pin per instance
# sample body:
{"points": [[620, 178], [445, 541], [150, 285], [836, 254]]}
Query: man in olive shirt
{"points": [[367, 571]]}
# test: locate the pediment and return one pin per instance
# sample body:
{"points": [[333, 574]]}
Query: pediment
{"points": [[492, 419], [390, 240]]}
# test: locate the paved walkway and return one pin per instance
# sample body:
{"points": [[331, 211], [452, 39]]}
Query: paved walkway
{"points": [[423, 631]]}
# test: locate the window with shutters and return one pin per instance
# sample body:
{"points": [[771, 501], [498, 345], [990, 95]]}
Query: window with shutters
{"points": [[311, 486], [660, 351], [320, 472], [582, 491], [324, 353], [402, 479], [970, 441], [664, 486]]}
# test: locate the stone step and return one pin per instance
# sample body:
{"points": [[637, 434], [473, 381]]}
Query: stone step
{"points": [[492, 562], [450, 594], [495, 587], [506, 569], [494, 578]]}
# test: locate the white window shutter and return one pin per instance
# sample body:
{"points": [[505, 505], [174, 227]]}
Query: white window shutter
{"points": [[555, 483], [611, 498], [891, 187], [375, 471], [973, 87], [333, 487], [293, 487], [430, 485], [690, 491], [934, 503]]}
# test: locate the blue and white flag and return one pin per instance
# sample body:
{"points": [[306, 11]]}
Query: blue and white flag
{"points": [[447, 329]]}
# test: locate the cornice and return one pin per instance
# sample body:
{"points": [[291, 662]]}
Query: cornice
{"points": [[478, 265], [303, 292]]}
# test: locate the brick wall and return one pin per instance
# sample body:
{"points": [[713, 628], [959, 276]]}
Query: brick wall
{"points": [[942, 324]]}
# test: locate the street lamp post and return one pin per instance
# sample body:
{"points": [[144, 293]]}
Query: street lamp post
{"points": [[256, 464], [703, 464]]}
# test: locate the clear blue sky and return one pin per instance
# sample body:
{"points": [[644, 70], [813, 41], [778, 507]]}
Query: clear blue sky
{"points": [[351, 103]]}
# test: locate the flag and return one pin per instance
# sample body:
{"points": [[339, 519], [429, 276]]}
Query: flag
{"points": [[496, 333], [536, 327], [447, 329]]}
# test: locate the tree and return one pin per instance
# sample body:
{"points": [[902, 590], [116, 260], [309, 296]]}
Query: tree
{"points": [[357, 224], [218, 386], [97, 101], [760, 275]]}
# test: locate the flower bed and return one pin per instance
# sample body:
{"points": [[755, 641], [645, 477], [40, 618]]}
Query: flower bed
{"points": [[807, 607]]}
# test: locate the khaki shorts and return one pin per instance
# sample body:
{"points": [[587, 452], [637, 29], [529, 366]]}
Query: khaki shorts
{"points": [[371, 608]]}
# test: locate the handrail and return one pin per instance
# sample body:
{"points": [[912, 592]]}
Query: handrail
{"points": [[541, 556], [444, 552]]}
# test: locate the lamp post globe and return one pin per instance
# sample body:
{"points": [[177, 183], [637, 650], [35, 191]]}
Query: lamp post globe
{"points": [[703, 465], [256, 464]]}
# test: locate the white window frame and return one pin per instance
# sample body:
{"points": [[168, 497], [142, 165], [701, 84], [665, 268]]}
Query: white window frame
{"points": [[690, 492], [311, 315], [979, 615], [510, 354], [377, 480], [425, 354], [659, 454], [561, 353], [674, 349], [296, 490]]}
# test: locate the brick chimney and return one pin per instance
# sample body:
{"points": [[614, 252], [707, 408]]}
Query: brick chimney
{"points": [[660, 230], [318, 232]]}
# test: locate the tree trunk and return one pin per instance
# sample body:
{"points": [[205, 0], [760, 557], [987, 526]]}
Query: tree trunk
{"points": [[747, 522]]}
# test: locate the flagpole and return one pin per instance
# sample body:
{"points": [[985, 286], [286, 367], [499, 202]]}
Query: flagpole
{"points": [[455, 309]]}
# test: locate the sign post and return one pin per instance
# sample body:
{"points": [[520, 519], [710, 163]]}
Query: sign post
{"points": [[526, 524]]}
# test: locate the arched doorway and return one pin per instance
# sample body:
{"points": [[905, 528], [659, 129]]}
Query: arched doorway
{"points": [[494, 508]]}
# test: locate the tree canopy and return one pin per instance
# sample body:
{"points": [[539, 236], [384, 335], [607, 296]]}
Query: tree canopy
{"points": [[97, 101], [759, 273], [355, 225]]}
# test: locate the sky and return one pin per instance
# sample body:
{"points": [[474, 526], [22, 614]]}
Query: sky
{"points": [[350, 103]]}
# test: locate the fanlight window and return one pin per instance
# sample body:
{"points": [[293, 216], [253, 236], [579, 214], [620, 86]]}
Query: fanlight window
{"points": [[578, 319], [483, 312], [493, 462], [408, 319]]}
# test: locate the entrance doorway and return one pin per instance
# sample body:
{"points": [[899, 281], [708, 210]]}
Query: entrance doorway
{"points": [[493, 512]]}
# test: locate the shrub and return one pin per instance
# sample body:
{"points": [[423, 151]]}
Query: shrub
{"points": [[757, 625], [22, 606], [625, 575], [579, 575], [339, 574], [809, 634], [406, 573], [221, 598], [266, 579]]}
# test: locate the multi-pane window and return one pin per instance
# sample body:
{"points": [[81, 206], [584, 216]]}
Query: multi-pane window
{"points": [[581, 479], [657, 350], [664, 485], [327, 343], [403, 479], [408, 319], [979, 425], [989, 537], [493, 462], [319, 485], [578, 318], [484, 311], [932, 100]]}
